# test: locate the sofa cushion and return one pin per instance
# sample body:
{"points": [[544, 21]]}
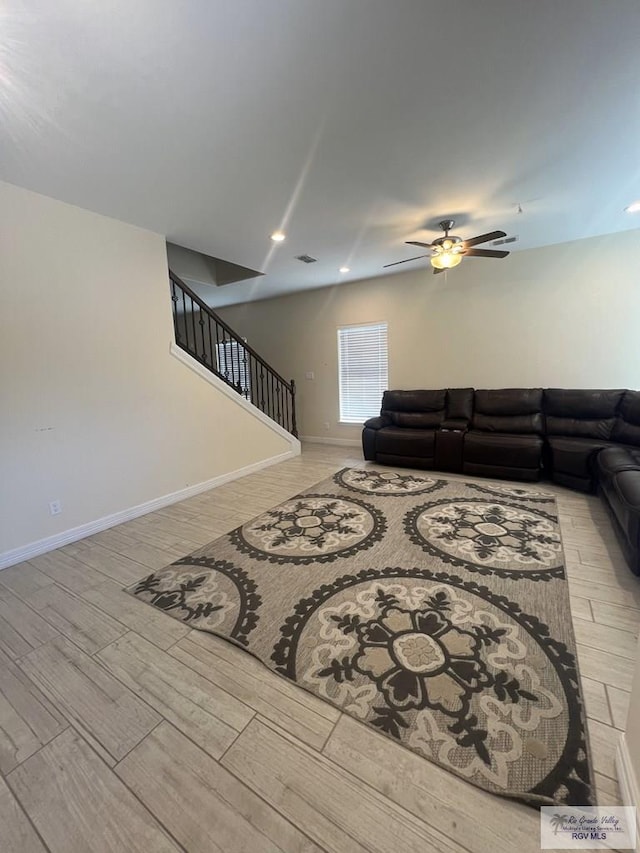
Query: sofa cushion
{"points": [[581, 412], [417, 420], [508, 423], [502, 450], [628, 487], [581, 403], [414, 401], [627, 425], [400, 441], [612, 460], [508, 401], [624, 496], [574, 456], [579, 428], [508, 410]]}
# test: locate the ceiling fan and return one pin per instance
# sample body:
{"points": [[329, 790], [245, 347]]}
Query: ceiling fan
{"points": [[448, 251]]}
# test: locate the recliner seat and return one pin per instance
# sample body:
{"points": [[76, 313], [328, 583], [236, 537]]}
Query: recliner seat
{"points": [[578, 425], [506, 435], [405, 432]]}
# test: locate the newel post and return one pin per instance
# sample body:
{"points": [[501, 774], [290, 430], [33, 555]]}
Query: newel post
{"points": [[294, 424]]}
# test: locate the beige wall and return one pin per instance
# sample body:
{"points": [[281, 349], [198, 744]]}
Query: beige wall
{"points": [[566, 315], [94, 410]]}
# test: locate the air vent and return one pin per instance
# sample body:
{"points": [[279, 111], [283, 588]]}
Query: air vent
{"points": [[306, 259], [505, 240]]}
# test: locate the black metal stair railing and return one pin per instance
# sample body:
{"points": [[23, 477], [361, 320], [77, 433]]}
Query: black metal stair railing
{"points": [[207, 338]]}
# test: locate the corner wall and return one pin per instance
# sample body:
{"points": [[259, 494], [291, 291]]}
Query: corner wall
{"points": [[95, 412], [565, 315]]}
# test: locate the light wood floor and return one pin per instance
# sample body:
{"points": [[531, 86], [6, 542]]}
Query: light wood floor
{"points": [[162, 738]]}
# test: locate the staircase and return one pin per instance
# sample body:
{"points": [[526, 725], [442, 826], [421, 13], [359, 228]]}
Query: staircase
{"points": [[207, 338]]}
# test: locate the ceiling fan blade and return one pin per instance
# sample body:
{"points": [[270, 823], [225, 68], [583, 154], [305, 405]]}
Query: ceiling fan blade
{"points": [[436, 271], [406, 261], [483, 238], [416, 243], [485, 253]]}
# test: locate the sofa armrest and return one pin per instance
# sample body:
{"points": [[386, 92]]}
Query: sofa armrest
{"points": [[377, 423], [460, 424]]}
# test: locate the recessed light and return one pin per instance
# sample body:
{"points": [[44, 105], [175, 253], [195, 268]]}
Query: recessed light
{"points": [[634, 207], [277, 236], [345, 269]]}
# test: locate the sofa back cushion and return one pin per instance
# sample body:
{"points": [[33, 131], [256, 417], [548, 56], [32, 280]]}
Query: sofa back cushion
{"points": [[417, 420], [414, 401], [460, 403], [415, 409], [509, 410], [626, 428], [579, 412]]}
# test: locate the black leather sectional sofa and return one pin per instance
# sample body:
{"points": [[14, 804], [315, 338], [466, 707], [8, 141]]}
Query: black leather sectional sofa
{"points": [[583, 439]]}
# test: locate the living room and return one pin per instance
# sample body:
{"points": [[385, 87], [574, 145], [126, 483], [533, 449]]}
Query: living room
{"points": [[342, 126], [542, 312]]}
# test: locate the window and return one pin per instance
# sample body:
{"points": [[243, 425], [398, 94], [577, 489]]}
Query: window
{"points": [[233, 365], [362, 371]]}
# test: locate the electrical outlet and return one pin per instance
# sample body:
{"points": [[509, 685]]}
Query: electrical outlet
{"points": [[55, 507], [326, 425]]}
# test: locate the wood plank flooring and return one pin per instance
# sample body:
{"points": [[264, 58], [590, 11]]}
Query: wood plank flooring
{"points": [[121, 730]]}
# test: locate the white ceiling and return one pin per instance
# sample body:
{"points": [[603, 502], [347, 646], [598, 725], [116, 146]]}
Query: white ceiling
{"points": [[352, 124]]}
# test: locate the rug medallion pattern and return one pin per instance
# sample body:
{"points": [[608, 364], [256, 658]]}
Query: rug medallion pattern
{"points": [[386, 482], [418, 609], [316, 528], [487, 537]]}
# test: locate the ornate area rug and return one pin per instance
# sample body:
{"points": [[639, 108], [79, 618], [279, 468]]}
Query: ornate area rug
{"points": [[434, 610]]}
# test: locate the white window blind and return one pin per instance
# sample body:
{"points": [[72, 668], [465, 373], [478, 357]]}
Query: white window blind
{"points": [[362, 371], [233, 364]]}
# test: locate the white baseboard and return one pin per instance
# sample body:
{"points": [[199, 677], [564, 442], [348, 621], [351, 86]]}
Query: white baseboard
{"points": [[41, 546], [342, 442], [629, 785]]}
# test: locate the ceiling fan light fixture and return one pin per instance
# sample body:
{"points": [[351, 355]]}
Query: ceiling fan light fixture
{"points": [[634, 207], [446, 259]]}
